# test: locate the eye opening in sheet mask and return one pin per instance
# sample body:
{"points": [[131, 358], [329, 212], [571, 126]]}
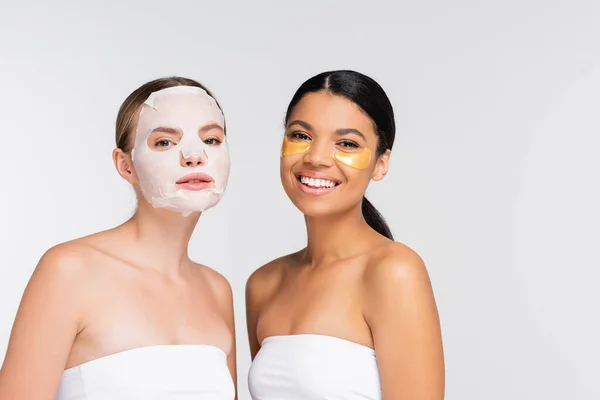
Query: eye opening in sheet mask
{"points": [[181, 158], [358, 159], [164, 137]]}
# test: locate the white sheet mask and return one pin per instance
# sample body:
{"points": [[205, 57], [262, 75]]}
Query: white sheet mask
{"points": [[187, 109]]}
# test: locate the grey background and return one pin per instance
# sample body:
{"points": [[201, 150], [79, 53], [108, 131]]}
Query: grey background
{"points": [[494, 175]]}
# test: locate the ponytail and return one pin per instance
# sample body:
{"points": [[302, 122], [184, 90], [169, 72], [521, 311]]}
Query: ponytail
{"points": [[375, 219]]}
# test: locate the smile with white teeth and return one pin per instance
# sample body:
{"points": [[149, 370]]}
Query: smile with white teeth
{"points": [[317, 183]]}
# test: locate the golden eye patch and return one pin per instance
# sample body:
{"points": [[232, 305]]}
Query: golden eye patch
{"points": [[357, 160], [290, 147]]}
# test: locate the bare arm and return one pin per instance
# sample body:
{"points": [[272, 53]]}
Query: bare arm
{"points": [[252, 305], [46, 324], [223, 291], [403, 318], [260, 288], [231, 358]]}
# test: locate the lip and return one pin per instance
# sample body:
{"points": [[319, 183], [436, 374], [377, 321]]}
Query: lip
{"points": [[316, 175], [195, 181]]}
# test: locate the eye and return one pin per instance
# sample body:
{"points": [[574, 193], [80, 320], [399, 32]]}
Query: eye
{"points": [[299, 136], [212, 141], [348, 144], [163, 143]]}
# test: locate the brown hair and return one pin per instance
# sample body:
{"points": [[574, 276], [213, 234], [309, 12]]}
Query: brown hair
{"points": [[136, 99]]}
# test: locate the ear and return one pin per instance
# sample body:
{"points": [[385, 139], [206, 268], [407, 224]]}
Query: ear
{"points": [[381, 166], [124, 165]]}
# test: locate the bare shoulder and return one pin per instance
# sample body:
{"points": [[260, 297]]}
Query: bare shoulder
{"points": [[50, 315], [62, 275], [401, 312], [261, 286], [264, 280], [395, 265], [66, 261], [218, 282]]}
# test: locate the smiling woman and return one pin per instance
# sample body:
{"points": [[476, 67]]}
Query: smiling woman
{"points": [[124, 313], [353, 314]]}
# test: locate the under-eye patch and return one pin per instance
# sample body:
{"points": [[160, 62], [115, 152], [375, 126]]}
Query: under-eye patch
{"points": [[357, 159], [290, 147]]}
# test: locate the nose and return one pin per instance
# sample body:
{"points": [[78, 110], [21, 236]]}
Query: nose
{"points": [[319, 155], [194, 160]]}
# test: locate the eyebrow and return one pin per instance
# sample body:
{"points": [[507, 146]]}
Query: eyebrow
{"points": [[349, 131], [340, 132], [303, 124], [174, 131], [166, 129], [209, 127]]}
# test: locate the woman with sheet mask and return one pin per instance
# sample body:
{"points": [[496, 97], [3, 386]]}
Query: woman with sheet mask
{"points": [[124, 313], [352, 315]]}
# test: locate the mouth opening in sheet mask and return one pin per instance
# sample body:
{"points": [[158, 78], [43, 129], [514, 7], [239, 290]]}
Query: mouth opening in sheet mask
{"points": [[355, 159], [190, 173]]}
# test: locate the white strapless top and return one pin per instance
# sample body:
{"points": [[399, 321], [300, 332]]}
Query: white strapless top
{"points": [[313, 367], [165, 372]]}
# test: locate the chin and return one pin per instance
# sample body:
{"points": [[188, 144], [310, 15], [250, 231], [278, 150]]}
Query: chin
{"points": [[316, 209]]}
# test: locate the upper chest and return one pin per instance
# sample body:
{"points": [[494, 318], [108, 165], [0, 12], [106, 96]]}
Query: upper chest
{"points": [[307, 297], [132, 309]]}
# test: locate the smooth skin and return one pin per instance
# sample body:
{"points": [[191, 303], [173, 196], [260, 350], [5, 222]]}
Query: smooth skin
{"points": [[349, 282], [125, 288]]}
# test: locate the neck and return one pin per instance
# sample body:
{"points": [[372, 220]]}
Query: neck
{"points": [[162, 237], [333, 237]]}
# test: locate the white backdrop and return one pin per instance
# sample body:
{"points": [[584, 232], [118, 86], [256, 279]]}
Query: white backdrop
{"points": [[494, 175]]}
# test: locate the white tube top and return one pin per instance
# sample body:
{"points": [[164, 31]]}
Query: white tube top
{"points": [[313, 367], [173, 372]]}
